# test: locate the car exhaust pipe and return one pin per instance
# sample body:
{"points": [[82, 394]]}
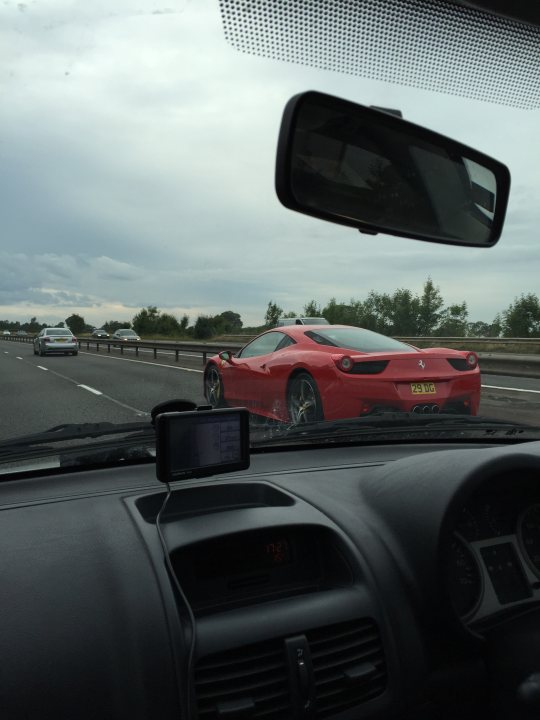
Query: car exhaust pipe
{"points": [[426, 409]]}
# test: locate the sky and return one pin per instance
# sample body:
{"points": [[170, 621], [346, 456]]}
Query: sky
{"points": [[137, 152]]}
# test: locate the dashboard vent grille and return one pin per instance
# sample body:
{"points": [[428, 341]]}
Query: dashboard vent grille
{"points": [[251, 680], [348, 664]]}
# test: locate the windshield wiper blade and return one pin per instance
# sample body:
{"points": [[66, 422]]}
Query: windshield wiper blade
{"points": [[385, 423], [74, 431]]}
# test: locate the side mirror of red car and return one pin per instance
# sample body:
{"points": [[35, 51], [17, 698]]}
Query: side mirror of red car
{"points": [[226, 356]]}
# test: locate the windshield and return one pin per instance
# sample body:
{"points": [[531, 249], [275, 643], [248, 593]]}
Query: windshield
{"points": [[56, 331], [357, 339], [138, 201]]}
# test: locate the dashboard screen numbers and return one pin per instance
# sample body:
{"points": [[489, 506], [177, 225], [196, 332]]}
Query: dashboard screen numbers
{"points": [[201, 443], [277, 552], [242, 555]]}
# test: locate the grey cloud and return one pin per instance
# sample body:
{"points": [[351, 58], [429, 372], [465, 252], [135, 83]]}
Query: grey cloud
{"points": [[146, 177]]}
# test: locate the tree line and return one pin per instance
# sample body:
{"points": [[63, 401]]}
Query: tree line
{"points": [[407, 314], [401, 313]]}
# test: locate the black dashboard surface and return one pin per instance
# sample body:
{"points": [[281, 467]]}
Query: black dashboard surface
{"points": [[340, 556]]}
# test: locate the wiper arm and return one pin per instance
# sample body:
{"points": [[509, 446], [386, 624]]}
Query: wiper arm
{"points": [[74, 431]]}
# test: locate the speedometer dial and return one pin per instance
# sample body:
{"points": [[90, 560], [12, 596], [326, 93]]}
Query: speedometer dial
{"points": [[529, 536], [463, 577]]}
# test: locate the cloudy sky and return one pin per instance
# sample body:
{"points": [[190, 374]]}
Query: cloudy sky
{"points": [[137, 153]]}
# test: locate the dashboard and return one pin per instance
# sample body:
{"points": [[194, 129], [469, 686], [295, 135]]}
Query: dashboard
{"points": [[347, 582]]}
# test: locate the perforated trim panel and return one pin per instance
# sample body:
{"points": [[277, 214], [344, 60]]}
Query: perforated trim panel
{"points": [[422, 43]]}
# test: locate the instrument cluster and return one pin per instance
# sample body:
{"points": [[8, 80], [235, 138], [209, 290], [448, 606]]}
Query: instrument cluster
{"points": [[493, 556]]}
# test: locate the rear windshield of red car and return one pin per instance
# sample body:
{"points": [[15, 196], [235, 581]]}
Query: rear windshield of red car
{"points": [[357, 339]]}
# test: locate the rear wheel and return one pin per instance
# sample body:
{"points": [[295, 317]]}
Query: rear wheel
{"points": [[213, 386], [75, 352], [303, 400], [41, 352]]}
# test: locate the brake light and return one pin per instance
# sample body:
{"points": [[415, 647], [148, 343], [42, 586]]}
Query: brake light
{"points": [[472, 360], [345, 363], [46, 338], [74, 339]]}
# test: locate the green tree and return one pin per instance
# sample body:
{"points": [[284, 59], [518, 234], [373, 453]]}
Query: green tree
{"points": [[145, 321], [33, 326], [272, 315], [479, 328], [522, 317], [204, 328], [184, 322], [339, 313], [431, 304], [112, 326], [167, 324], [495, 329], [228, 322], [312, 309], [60, 325], [76, 323], [404, 313], [453, 322]]}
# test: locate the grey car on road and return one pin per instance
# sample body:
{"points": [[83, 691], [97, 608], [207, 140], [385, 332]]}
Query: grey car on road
{"points": [[55, 340]]}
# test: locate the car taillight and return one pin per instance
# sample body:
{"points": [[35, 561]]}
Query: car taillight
{"points": [[74, 339], [345, 363], [46, 338], [472, 360]]}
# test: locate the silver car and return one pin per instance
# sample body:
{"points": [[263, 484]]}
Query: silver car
{"points": [[55, 340], [125, 335]]}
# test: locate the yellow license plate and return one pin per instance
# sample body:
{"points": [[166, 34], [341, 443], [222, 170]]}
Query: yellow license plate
{"points": [[423, 388]]}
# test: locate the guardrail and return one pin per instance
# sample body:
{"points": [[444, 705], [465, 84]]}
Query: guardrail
{"points": [[527, 365], [164, 346], [514, 345]]}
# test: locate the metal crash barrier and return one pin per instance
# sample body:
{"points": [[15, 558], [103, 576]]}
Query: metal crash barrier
{"points": [[511, 361]]}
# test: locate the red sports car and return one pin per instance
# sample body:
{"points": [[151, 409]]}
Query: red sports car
{"points": [[302, 373]]}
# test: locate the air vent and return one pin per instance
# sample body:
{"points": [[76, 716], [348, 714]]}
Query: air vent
{"points": [[255, 681], [348, 663], [249, 682], [369, 367], [459, 363]]}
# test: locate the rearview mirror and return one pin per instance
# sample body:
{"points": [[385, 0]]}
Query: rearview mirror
{"points": [[369, 169], [225, 355]]}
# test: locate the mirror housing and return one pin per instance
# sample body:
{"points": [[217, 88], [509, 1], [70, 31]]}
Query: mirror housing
{"points": [[226, 356], [372, 170]]}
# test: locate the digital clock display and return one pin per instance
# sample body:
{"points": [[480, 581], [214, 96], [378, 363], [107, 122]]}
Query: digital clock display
{"points": [[277, 552], [243, 555]]}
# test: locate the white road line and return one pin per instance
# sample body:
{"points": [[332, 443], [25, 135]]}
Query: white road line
{"points": [[499, 387], [41, 367], [143, 362], [19, 358], [92, 390]]}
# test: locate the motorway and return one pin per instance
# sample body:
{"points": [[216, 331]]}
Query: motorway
{"points": [[37, 393]]}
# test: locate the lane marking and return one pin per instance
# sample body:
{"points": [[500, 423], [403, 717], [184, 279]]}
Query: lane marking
{"points": [[19, 358], [137, 411], [41, 367], [6, 352], [499, 387], [143, 362], [92, 390]]}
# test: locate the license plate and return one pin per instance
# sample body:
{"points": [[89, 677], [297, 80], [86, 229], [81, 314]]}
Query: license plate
{"points": [[423, 388], [61, 340]]}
